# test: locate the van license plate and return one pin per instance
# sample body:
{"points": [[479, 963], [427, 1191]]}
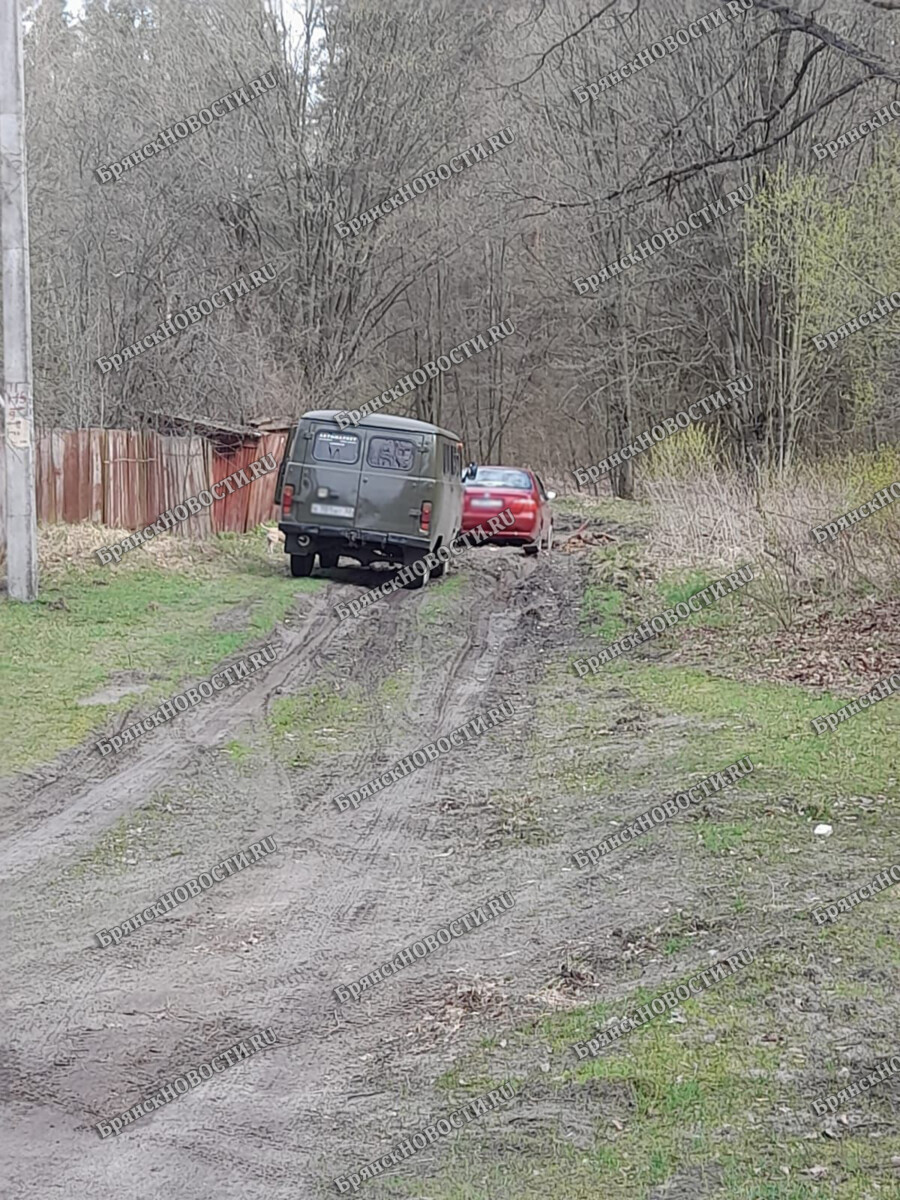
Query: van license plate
{"points": [[487, 503], [332, 510]]}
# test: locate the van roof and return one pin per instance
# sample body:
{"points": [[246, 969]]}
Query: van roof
{"points": [[382, 421]]}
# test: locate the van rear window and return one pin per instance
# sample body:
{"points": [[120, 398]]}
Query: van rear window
{"points": [[336, 447], [395, 454]]}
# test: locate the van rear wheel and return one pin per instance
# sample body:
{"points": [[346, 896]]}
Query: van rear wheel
{"points": [[301, 565], [439, 571], [418, 580]]}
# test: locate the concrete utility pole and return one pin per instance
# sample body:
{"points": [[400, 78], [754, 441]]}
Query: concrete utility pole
{"points": [[21, 523]]}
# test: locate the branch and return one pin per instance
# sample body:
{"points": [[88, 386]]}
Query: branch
{"points": [[562, 41], [807, 25]]}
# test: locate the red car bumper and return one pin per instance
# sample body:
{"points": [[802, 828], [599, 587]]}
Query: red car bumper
{"points": [[521, 532]]}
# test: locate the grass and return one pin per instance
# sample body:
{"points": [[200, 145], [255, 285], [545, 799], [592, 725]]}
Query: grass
{"points": [[312, 723], [611, 596], [705, 1096], [137, 833], [90, 625], [622, 591], [517, 820], [770, 723], [601, 610], [721, 838], [395, 690], [238, 752], [442, 598], [677, 587], [605, 509], [717, 1105]]}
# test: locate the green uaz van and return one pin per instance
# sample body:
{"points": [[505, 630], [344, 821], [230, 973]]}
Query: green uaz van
{"points": [[388, 489]]}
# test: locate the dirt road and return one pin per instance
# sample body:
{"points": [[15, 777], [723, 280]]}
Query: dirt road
{"points": [[92, 1031], [710, 1102]]}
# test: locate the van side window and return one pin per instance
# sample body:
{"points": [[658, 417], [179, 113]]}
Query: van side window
{"points": [[335, 447], [393, 454]]}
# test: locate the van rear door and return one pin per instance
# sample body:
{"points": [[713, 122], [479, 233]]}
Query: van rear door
{"points": [[393, 484], [329, 478]]}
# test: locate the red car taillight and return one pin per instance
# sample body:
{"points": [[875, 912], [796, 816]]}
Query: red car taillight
{"points": [[425, 516], [287, 500]]}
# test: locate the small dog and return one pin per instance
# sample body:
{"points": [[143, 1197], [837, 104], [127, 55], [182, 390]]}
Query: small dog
{"points": [[274, 537]]}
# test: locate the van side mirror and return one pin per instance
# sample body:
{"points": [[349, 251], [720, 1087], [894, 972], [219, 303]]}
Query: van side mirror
{"points": [[470, 472]]}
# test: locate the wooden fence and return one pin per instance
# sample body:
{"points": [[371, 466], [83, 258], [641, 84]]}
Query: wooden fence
{"points": [[126, 479]]}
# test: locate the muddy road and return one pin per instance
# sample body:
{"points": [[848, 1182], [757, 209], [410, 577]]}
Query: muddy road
{"points": [[87, 843]]}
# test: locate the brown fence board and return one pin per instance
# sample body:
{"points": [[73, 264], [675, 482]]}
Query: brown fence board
{"points": [[262, 506], [230, 513], [42, 499], [57, 467], [114, 477], [156, 477], [128, 478], [74, 478]]}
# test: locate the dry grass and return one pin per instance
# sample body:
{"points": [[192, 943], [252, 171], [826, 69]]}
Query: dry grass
{"points": [[716, 518], [64, 547]]}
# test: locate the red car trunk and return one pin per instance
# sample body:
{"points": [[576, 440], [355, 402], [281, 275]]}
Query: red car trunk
{"points": [[480, 503]]}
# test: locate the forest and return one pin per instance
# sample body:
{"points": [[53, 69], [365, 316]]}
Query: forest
{"points": [[601, 157]]}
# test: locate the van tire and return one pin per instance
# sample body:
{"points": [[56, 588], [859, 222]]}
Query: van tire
{"points": [[301, 565], [418, 581], [439, 571], [328, 559]]}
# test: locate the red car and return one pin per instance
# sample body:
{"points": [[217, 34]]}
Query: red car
{"points": [[493, 489]]}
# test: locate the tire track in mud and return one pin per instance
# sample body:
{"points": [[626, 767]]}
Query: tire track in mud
{"points": [[333, 1078], [346, 886], [304, 1008], [379, 828], [72, 815]]}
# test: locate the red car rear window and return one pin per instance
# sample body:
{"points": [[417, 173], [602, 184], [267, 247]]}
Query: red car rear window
{"points": [[502, 478]]}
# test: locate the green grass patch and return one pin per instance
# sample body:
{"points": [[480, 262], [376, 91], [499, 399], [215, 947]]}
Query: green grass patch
{"points": [[238, 752], [724, 1096], [315, 722], [674, 945], [395, 690], [611, 595], [721, 838], [91, 625], [771, 724], [441, 599], [677, 587], [601, 611], [139, 833]]}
